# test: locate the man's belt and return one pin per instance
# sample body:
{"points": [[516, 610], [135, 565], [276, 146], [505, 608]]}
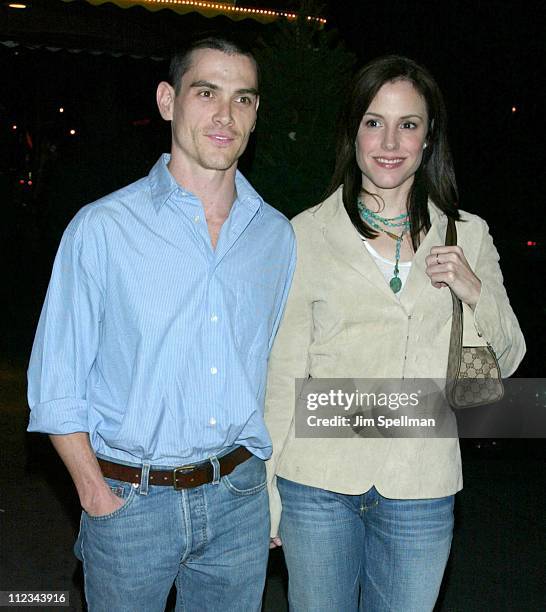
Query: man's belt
{"points": [[183, 477]]}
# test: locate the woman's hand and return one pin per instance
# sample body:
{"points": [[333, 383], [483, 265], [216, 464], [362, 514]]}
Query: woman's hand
{"points": [[447, 266], [274, 542]]}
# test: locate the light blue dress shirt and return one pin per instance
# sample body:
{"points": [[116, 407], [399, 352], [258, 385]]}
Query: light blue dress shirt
{"points": [[150, 340]]}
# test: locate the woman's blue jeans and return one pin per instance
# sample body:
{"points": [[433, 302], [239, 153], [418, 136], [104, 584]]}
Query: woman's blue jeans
{"points": [[363, 552], [211, 541]]}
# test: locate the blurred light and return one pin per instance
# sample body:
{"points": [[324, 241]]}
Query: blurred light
{"points": [[17, 5], [14, 127], [72, 132], [29, 183], [61, 109], [531, 243], [21, 181], [514, 109]]}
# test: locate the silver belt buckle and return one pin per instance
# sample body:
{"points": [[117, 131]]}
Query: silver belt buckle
{"points": [[184, 469]]}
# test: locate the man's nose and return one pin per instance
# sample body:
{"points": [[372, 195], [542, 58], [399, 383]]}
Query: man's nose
{"points": [[223, 113]]}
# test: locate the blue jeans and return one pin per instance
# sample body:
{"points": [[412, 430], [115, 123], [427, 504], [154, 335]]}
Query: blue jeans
{"points": [[211, 541], [363, 552]]}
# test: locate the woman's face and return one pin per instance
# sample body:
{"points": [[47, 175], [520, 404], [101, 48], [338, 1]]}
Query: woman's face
{"points": [[391, 138]]}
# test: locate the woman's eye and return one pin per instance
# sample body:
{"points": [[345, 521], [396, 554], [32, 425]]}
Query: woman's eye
{"points": [[372, 123], [206, 93], [409, 125]]}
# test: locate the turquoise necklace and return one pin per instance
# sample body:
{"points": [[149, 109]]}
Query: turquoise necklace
{"points": [[402, 222]]}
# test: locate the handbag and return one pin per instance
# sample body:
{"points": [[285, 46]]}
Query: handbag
{"points": [[473, 373]]}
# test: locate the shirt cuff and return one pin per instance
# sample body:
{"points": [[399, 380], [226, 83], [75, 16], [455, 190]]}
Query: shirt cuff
{"points": [[59, 416]]}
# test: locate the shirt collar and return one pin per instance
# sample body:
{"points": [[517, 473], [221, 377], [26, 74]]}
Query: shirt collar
{"points": [[163, 185], [162, 182], [247, 195]]}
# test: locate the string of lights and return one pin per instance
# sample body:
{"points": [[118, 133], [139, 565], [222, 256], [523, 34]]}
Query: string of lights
{"points": [[229, 10]]}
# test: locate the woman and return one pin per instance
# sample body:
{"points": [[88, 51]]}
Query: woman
{"points": [[368, 521]]}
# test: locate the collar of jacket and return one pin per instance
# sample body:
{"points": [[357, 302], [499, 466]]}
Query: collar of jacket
{"points": [[341, 236]]}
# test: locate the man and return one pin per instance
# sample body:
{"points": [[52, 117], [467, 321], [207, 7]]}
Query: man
{"points": [[149, 363]]}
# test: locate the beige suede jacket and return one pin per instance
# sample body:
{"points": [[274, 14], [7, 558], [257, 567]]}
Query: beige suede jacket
{"points": [[342, 320]]}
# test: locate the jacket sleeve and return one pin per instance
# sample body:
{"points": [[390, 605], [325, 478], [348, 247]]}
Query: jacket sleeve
{"points": [[494, 318], [289, 361], [67, 337]]}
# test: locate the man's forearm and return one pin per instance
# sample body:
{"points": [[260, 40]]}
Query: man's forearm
{"points": [[78, 456]]}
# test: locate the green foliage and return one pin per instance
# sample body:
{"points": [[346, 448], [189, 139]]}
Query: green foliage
{"points": [[305, 71]]}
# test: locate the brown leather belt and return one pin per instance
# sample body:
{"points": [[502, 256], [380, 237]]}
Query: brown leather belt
{"points": [[183, 477]]}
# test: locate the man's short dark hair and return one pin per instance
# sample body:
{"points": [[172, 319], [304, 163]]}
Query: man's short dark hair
{"points": [[181, 60]]}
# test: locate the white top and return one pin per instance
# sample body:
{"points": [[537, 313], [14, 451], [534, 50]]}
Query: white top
{"points": [[386, 266]]}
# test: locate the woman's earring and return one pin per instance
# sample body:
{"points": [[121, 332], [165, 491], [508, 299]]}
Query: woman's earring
{"points": [[424, 145]]}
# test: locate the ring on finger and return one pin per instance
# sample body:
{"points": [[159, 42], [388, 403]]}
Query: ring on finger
{"points": [[437, 259]]}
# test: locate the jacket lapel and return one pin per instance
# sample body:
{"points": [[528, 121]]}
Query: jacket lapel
{"points": [[345, 242], [417, 279]]}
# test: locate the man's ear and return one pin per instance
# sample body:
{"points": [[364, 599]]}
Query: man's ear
{"points": [[165, 100]]}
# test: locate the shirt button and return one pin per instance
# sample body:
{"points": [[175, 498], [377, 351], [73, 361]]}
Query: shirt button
{"points": [[214, 371], [214, 318], [212, 421], [197, 218]]}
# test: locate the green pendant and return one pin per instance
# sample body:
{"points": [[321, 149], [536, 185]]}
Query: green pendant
{"points": [[395, 284]]}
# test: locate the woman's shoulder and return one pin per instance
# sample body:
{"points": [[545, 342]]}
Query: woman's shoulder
{"points": [[465, 216], [468, 217], [467, 222], [319, 214], [471, 226]]}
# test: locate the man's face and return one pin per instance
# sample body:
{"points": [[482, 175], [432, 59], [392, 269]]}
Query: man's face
{"points": [[214, 111]]}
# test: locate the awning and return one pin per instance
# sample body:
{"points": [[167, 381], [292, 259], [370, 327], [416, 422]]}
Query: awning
{"points": [[84, 26], [208, 9]]}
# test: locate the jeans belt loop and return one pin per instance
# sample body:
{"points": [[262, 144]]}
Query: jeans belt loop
{"points": [[216, 470], [144, 479]]}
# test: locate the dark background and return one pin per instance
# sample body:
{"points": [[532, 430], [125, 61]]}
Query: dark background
{"points": [[488, 57], [102, 65]]}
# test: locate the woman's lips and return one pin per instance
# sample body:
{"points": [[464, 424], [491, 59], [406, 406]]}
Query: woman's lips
{"points": [[389, 163]]}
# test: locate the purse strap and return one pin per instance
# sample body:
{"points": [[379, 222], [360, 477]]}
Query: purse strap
{"points": [[456, 339]]}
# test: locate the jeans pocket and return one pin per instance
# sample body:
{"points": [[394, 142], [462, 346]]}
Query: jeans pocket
{"points": [[123, 490], [248, 478]]}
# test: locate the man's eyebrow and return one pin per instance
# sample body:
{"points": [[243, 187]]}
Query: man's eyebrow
{"points": [[244, 90], [204, 84], [248, 90]]}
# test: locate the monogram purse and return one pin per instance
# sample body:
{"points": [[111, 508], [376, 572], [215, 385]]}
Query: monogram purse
{"points": [[473, 373]]}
